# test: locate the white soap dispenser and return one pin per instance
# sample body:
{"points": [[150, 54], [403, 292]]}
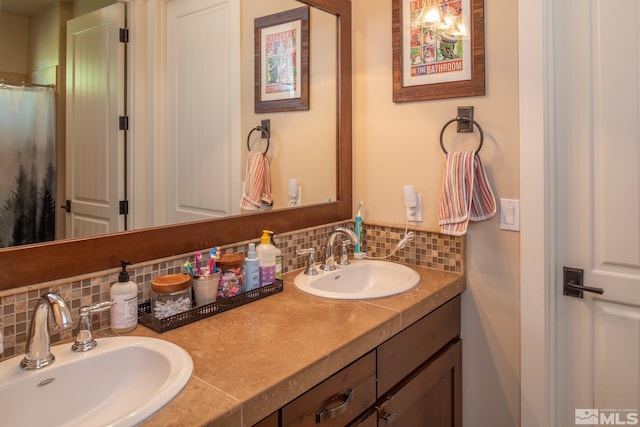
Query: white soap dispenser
{"points": [[124, 313], [266, 253]]}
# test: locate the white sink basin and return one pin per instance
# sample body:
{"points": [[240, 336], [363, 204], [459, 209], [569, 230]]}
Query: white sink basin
{"points": [[121, 382], [362, 279]]}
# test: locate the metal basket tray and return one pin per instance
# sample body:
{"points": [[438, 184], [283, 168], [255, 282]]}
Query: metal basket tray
{"points": [[221, 305]]}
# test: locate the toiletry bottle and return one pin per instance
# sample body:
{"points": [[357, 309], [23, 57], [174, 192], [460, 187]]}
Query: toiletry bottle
{"points": [[358, 229], [252, 269], [266, 253], [278, 258], [124, 313]]}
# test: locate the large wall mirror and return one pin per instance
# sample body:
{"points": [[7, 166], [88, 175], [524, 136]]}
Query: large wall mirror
{"points": [[28, 264]]}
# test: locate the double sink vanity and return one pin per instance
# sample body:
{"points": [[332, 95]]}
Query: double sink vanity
{"points": [[290, 359], [324, 351]]}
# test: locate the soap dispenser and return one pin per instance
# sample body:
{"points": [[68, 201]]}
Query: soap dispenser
{"points": [[124, 313], [266, 253]]}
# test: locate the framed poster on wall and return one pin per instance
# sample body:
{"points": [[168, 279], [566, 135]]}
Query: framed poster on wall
{"points": [[438, 49], [282, 61]]}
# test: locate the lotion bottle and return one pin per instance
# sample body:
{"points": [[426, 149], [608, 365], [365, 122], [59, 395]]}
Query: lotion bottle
{"points": [[267, 259], [278, 258], [252, 269], [124, 313]]}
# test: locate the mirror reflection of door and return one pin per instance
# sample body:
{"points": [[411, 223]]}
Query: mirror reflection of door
{"points": [[202, 112], [95, 101]]}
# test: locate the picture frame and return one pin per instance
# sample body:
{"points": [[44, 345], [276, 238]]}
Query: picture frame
{"points": [[438, 49], [282, 61]]}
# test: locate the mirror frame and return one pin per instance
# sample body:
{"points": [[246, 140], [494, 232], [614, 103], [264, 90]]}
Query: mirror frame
{"points": [[32, 264]]}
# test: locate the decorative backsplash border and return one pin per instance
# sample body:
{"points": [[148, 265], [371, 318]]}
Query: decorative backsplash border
{"points": [[428, 249]]}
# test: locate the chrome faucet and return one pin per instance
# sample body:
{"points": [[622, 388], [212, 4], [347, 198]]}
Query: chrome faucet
{"points": [[38, 352], [329, 263]]}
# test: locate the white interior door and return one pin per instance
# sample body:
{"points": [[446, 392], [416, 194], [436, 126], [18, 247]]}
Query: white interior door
{"points": [[597, 89], [202, 54], [95, 100]]}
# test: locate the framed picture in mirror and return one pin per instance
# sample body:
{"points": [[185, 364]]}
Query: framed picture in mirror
{"points": [[438, 49], [282, 61]]}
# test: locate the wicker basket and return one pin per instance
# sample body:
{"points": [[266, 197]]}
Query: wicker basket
{"points": [[146, 318]]}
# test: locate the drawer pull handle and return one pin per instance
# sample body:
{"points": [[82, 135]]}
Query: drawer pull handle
{"points": [[389, 417], [327, 414]]}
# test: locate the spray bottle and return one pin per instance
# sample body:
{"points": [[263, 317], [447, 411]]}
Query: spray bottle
{"points": [[252, 269]]}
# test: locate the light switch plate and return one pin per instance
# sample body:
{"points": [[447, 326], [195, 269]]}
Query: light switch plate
{"points": [[510, 214]]}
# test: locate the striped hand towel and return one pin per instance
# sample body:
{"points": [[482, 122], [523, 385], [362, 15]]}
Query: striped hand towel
{"points": [[257, 188], [466, 194]]}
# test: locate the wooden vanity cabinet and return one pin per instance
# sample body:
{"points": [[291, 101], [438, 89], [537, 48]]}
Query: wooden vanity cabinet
{"points": [[406, 351], [412, 379], [368, 418], [272, 420], [430, 396]]}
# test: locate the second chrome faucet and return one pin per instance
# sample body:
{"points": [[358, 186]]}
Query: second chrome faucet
{"points": [[329, 263]]}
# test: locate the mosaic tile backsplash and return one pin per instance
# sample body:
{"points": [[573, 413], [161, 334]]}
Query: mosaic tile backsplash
{"points": [[427, 249]]}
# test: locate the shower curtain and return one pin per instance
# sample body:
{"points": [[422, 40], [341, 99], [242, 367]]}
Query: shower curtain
{"points": [[27, 165]]}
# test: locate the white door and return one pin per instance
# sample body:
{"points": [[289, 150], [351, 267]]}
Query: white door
{"points": [[202, 113], [95, 101], [597, 122]]}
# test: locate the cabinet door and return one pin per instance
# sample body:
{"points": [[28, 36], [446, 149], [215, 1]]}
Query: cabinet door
{"points": [[431, 396]]}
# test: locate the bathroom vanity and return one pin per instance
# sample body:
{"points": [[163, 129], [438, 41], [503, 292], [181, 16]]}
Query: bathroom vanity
{"points": [[298, 359], [418, 373]]}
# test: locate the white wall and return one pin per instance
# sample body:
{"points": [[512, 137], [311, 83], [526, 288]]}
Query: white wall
{"points": [[397, 144]]}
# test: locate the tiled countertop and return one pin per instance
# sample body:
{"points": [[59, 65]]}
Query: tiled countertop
{"points": [[252, 360]]}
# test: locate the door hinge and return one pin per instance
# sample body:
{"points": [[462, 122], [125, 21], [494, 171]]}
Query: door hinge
{"points": [[124, 207], [124, 35], [124, 122]]}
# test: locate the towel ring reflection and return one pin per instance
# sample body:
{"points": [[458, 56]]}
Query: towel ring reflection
{"points": [[459, 119], [263, 131]]}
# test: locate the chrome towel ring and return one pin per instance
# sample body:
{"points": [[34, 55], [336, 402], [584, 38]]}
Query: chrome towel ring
{"points": [[459, 119]]}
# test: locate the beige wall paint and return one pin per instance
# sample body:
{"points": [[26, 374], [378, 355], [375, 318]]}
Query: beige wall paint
{"points": [[14, 43], [397, 144]]}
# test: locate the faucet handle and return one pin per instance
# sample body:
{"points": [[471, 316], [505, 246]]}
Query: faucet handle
{"points": [[311, 261], [84, 338], [344, 254]]}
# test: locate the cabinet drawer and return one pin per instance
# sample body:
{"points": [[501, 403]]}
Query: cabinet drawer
{"points": [[367, 419], [403, 353], [337, 400], [271, 421]]}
